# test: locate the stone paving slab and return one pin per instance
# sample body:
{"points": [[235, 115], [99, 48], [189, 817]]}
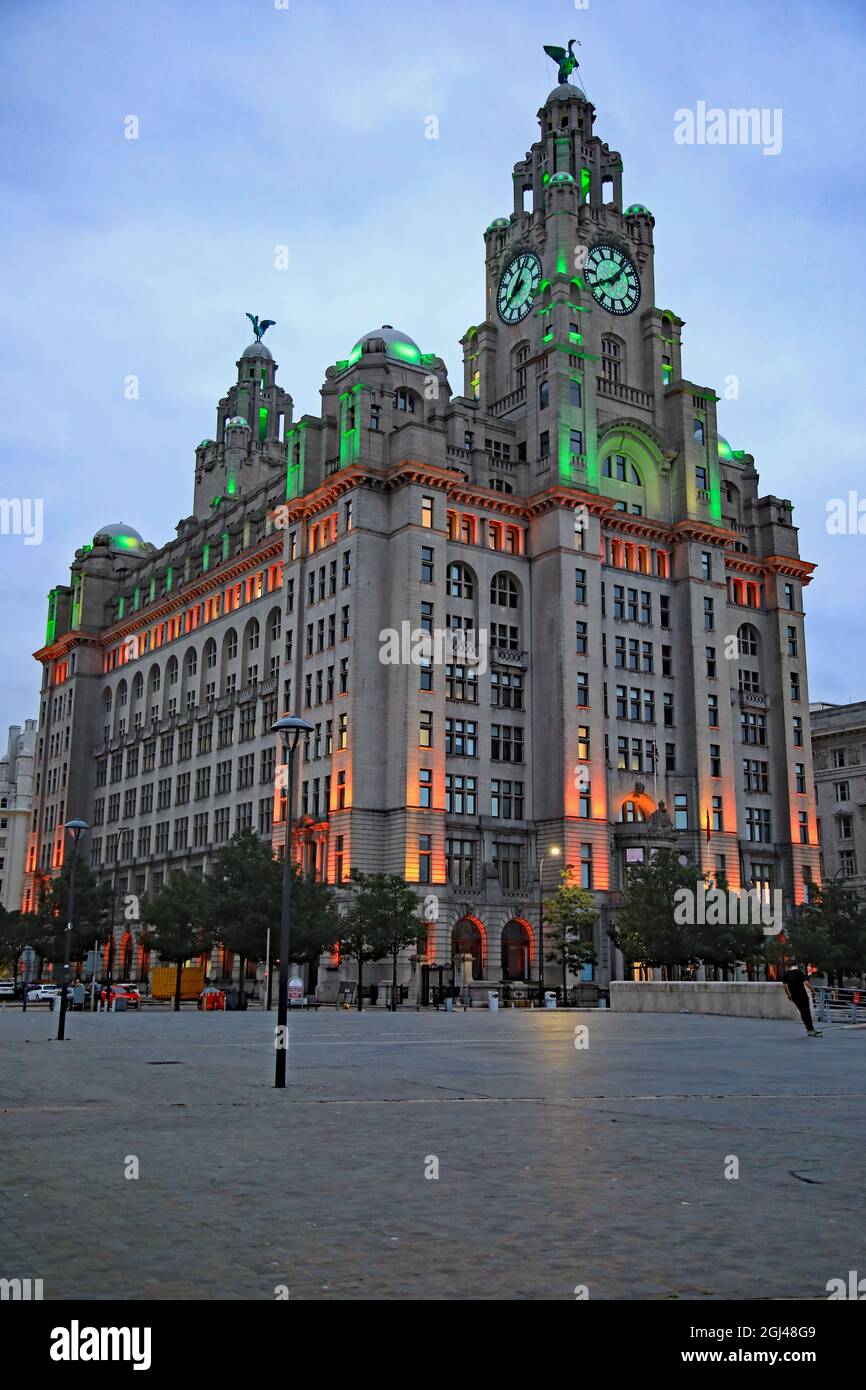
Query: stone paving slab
{"points": [[557, 1166]]}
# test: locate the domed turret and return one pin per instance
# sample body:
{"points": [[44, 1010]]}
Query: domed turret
{"points": [[258, 349], [121, 538], [396, 344]]}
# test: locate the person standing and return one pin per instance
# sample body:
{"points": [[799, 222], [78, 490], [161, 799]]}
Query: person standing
{"points": [[797, 988]]}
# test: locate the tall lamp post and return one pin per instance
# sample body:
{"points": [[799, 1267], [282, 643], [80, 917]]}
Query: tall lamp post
{"points": [[76, 829], [121, 831], [289, 728], [553, 853]]}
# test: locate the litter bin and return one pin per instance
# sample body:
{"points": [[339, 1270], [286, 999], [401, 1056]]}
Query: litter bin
{"points": [[118, 1004], [449, 1005], [493, 999], [550, 999]]}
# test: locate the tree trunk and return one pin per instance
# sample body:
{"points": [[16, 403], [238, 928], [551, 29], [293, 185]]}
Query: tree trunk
{"points": [[360, 984], [177, 979], [242, 994], [394, 984]]}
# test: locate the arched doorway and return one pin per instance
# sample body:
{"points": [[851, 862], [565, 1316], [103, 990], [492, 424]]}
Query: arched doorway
{"points": [[516, 951], [125, 957], [467, 939]]}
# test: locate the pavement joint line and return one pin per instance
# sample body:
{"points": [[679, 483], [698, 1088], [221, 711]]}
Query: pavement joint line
{"points": [[564, 1101]]}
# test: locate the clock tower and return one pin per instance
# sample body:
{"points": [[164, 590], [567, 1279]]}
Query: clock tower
{"points": [[570, 302]]}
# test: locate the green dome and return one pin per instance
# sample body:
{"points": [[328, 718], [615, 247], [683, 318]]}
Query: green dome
{"points": [[498, 222], [237, 422], [203, 443], [121, 538], [562, 177], [397, 344], [637, 210], [725, 450]]}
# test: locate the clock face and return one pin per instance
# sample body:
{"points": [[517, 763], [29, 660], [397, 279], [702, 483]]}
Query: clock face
{"points": [[518, 287], [614, 282]]}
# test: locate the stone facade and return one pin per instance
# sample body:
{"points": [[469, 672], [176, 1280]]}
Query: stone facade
{"points": [[631, 610], [839, 754], [16, 809]]}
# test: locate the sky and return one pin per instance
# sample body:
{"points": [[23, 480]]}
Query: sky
{"points": [[290, 123]]}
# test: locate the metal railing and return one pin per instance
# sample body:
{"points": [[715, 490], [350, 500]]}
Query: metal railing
{"points": [[834, 1004]]}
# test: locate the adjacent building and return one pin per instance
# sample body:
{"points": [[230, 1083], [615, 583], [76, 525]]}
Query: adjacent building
{"points": [[16, 810], [550, 613], [839, 755]]}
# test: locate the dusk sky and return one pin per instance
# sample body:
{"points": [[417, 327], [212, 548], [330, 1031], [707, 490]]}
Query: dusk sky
{"points": [[304, 126]]}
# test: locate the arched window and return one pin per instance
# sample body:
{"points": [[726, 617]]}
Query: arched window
{"points": [[122, 693], [106, 700], [504, 590], [699, 431], [274, 626], [404, 400], [171, 671], [467, 939], [543, 395], [460, 582], [747, 638], [630, 812], [611, 358], [210, 654], [620, 468], [190, 663], [516, 951], [519, 358], [253, 635], [138, 686]]}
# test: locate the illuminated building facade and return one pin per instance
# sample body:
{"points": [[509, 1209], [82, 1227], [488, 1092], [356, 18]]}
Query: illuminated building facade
{"points": [[632, 610]]}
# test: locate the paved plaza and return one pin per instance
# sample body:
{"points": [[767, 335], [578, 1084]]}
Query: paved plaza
{"points": [[602, 1166]]}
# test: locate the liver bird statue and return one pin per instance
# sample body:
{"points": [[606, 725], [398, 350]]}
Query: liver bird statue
{"points": [[567, 61], [260, 328]]}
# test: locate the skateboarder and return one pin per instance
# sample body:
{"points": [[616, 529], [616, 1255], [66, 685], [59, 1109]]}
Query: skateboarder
{"points": [[796, 983]]}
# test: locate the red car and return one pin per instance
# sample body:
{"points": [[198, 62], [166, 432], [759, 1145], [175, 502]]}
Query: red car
{"points": [[127, 992]]}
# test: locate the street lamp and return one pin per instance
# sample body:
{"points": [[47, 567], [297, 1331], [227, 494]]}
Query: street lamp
{"points": [[554, 852], [76, 829], [121, 831], [289, 728]]}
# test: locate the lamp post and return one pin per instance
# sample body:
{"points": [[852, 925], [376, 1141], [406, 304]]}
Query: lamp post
{"points": [[289, 728], [553, 853], [76, 829], [121, 831]]}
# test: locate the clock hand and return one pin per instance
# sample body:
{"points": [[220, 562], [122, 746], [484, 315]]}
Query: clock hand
{"points": [[517, 287], [610, 279]]}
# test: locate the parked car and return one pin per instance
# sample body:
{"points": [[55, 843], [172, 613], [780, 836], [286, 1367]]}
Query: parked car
{"points": [[212, 998], [37, 994], [127, 992], [7, 989]]}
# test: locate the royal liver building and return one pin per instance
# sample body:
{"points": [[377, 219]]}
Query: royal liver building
{"points": [[549, 613]]}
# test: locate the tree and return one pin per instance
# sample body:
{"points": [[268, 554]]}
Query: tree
{"points": [[176, 922], [46, 925], [571, 915], [244, 896], [315, 925], [13, 939], [382, 919], [646, 927], [830, 931]]}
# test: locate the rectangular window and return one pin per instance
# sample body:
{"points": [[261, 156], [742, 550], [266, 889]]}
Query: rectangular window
{"points": [[580, 586], [425, 788], [425, 858]]}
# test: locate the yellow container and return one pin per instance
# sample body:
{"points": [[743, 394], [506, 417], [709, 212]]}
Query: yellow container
{"points": [[163, 981]]}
